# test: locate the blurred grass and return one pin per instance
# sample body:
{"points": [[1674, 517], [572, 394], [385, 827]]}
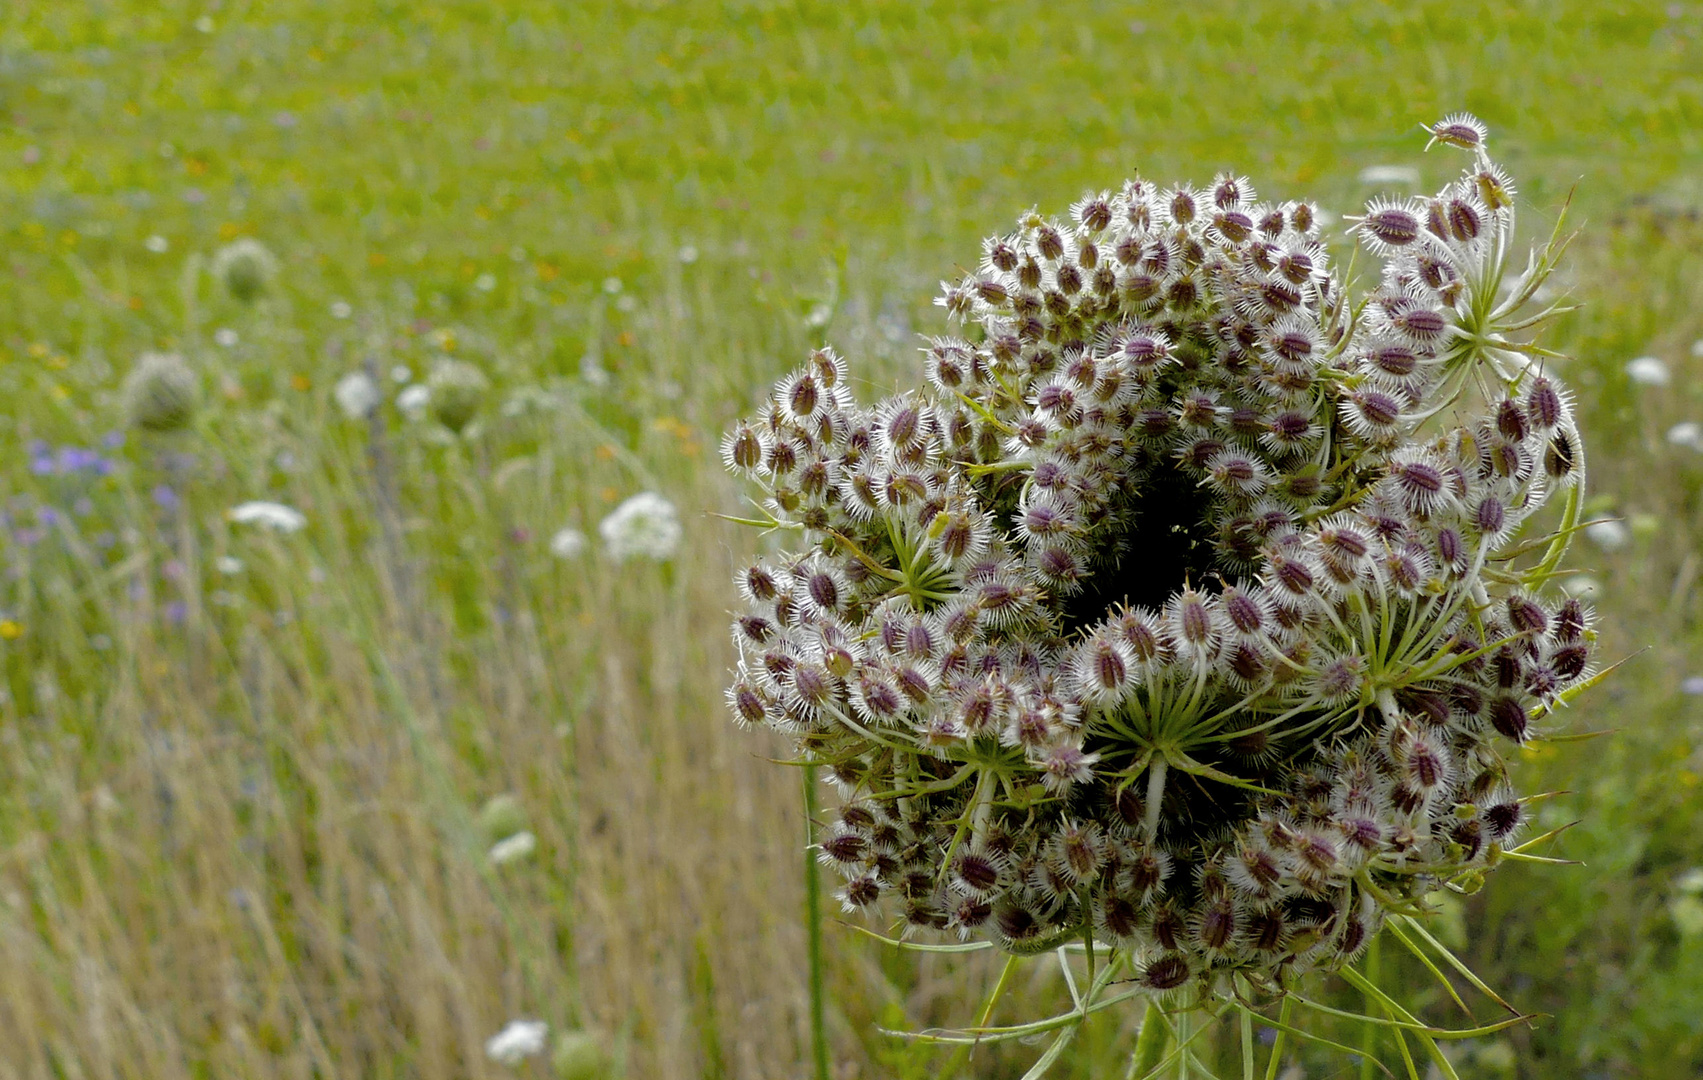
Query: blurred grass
{"points": [[236, 827]]}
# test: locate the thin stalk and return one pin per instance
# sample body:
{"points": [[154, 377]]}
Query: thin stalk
{"points": [[813, 929], [1247, 1044], [1283, 1017], [1054, 1052], [1183, 1019], [1563, 535], [961, 1056], [1006, 1033], [1149, 1044], [1369, 1034]]}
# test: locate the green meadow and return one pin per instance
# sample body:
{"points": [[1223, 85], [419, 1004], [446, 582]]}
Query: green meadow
{"points": [[245, 771]]}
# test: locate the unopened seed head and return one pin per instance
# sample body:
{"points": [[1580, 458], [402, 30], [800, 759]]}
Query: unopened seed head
{"points": [[161, 393]]}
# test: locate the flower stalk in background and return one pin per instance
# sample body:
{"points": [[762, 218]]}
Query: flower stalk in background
{"points": [[1179, 624]]}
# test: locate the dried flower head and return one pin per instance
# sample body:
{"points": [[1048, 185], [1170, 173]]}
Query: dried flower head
{"points": [[1153, 614]]}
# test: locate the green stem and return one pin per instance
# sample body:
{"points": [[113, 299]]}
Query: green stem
{"points": [[1155, 793], [1183, 1019], [1563, 535], [1283, 1017], [961, 1056], [1369, 1034], [1247, 1044], [1149, 1044], [1054, 1052], [813, 929]]}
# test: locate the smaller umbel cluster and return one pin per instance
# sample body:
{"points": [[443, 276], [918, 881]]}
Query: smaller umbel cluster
{"points": [[1188, 604]]}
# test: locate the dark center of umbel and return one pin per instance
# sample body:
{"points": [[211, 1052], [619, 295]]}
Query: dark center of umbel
{"points": [[1168, 542]]}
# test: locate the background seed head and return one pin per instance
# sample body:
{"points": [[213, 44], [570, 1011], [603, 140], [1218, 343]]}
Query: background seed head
{"points": [[457, 389], [245, 268], [161, 392]]}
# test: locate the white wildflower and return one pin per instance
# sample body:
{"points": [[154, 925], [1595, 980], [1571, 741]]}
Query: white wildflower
{"points": [[357, 395], [1390, 175], [688, 254], [340, 309], [1648, 371], [275, 516], [519, 1040], [228, 565], [401, 373], [646, 526], [157, 244], [513, 848], [414, 400], [485, 282], [612, 285], [592, 371], [225, 337], [567, 543], [1686, 433], [1608, 534]]}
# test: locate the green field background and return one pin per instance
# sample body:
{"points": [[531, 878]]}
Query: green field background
{"points": [[238, 803]]}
